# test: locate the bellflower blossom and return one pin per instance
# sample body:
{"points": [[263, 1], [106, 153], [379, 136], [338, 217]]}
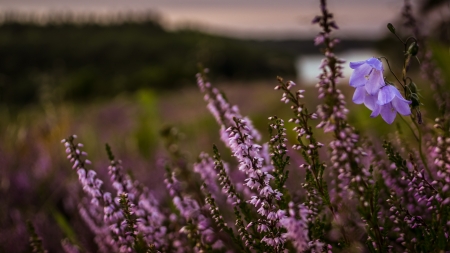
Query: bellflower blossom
{"points": [[389, 102], [372, 90], [367, 77]]}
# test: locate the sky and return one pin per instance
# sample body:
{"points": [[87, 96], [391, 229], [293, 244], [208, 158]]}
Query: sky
{"points": [[239, 18]]}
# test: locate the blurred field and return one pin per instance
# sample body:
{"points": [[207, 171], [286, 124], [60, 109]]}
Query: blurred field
{"points": [[41, 106], [36, 178]]}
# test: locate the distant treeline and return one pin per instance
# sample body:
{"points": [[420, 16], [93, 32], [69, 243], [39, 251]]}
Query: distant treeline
{"points": [[79, 61]]}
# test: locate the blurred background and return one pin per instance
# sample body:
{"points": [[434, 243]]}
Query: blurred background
{"points": [[119, 72]]}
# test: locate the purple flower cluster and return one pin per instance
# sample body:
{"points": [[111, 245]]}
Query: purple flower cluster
{"points": [[222, 110], [251, 163], [199, 225], [117, 224], [376, 196], [297, 228], [205, 168], [378, 96]]}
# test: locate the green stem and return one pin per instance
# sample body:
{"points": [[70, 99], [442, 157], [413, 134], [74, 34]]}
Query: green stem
{"points": [[392, 72], [410, 128], [422, 157]]}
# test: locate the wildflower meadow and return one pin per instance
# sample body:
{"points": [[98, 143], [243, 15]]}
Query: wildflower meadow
{"points": [[318, 178]]}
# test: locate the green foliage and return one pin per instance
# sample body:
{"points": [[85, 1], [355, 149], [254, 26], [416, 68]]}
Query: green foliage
{"points": [[65, 226], [148, 123], [109, 152], [441, 55], [90, 61]]}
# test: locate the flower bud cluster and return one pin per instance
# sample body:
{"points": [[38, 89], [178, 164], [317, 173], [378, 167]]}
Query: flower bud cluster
{"points": [[440, 152], [333, 111], [205, 168], [228, 187], [296, 225], [113, 216], [308, 146], [88, 178], [127, 225], [278, 153], [223, 111], [251, 163], [198, 226], [146, 208], [109, 217]]}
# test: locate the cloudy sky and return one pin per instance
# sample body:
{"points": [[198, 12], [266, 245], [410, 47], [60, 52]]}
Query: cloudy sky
{"points": [[241, 18]]}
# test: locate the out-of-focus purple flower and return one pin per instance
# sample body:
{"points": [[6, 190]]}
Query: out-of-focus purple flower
{"points": [[388, 103], [368, 76]]}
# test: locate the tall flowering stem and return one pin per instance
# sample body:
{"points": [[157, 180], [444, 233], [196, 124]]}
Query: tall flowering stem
{"points": [[371, 204], [235, 198], [251, 163], [108, 218], [129, 224], [116, 234], [411, 49], [332, 112], [225, 182], [240, 136], [346, 152], [318, 196], [222, 110], [91, 184], [187, 207], [278, 152], [146, 207], [219, 220], [197, 225]]}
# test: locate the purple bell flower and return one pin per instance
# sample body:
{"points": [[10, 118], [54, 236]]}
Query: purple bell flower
{"points": [[367, 77], [388, 103], [374, 93]]}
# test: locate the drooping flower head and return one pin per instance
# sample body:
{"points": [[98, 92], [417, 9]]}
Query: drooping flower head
{"points": [[367, 77], [389, 102], [372, 90]]}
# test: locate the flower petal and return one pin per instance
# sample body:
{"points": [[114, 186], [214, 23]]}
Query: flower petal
{"points": [[376, 110], [386, 94], [359, 76], [399, 96], [358, 96], [375, 82], [370, 101], [388, 113], [375, 63], [401, 106], [356, 64]]}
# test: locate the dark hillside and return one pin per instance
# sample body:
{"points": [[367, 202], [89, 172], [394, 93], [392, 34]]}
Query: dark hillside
{"points": [[91, 60]]}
